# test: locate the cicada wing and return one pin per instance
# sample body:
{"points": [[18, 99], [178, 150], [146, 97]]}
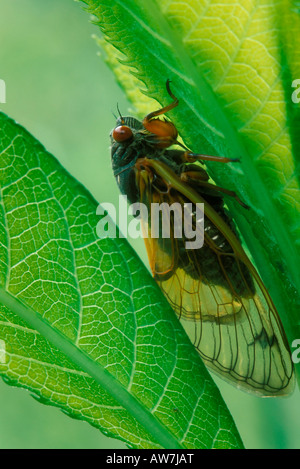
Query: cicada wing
{"points": [[239, 338], [221, 301]]}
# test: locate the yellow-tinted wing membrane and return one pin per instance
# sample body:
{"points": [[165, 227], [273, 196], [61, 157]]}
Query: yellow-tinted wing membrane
{"points": [[218, 295]]}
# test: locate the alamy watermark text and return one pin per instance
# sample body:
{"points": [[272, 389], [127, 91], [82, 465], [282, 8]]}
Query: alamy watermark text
{"points": [[164, 221]]}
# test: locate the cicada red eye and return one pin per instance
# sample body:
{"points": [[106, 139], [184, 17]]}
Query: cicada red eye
{"points": [[122, 133]]}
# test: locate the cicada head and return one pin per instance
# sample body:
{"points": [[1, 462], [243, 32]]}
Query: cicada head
{"points": [[123, 137], [128, 143]]}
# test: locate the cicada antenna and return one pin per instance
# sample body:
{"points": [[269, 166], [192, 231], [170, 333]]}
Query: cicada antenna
{"points": [[114, 114], [121, 117]]}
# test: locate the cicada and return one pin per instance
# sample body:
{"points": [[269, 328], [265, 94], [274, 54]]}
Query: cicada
{"points": [[216, 291]]}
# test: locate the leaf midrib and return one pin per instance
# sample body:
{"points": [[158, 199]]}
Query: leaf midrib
{"points": [[93, 369], [284, 241]]}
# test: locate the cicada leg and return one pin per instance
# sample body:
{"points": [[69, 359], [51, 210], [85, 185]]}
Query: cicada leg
{"points": [[194, 174], [191, 157], [163, 110], [164, 132]]}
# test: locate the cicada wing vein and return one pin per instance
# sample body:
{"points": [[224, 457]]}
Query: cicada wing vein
{"points": [[217, 293]]}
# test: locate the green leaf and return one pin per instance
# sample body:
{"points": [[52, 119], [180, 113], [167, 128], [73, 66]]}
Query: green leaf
{"points": [[83, 325], [232, 66]]}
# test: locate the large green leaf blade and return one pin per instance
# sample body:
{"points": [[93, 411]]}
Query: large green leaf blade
{"points": [[232, 67], [83, 325]]}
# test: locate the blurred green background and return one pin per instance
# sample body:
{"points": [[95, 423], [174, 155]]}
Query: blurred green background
{"points": [[60, 90]]}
